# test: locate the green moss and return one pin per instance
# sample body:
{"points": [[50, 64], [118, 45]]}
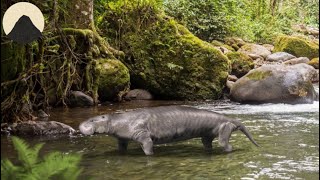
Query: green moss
{"points": [[314, 62], [113, 77], [258, 75], [241, 63], [220, 44], [297, 46], [163, 56], [13, 60]]}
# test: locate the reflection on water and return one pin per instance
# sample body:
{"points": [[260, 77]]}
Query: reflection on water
{"points": [[288, 136]]}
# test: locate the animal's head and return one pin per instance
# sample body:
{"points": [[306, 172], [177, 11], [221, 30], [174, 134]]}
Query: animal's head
{"points": [[97, 124]]}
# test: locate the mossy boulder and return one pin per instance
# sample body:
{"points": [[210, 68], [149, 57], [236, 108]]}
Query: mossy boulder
{"points": [[276, 84], [241, 63], [163, 56], [314, 63], [297, 46], [172, 63], [113, 78]]}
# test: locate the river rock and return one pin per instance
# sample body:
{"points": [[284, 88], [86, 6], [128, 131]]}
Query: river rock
{"points": [[297, 46], [138, 94], [232, 78], [255, 56], [314, 63], [234, 42], [80, 99], [229, 84], [276, 84], [241, 63], [255, 49], [269, 47], [279, 56], [114, 78], [33, 128], [297, 61]]}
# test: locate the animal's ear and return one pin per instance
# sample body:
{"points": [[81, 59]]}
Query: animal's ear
{"points": [[225, 131]]}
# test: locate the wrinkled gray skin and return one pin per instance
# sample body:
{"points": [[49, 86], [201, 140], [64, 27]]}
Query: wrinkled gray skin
{"points": [[165, 124]]}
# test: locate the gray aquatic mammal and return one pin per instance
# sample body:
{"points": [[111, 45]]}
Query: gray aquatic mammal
{"points": [[165, 124]]}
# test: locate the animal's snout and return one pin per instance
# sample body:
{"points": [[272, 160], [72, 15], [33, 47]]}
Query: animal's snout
{"points": [[87, 128]]}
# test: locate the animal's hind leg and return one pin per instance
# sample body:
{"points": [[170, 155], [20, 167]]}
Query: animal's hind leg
{"points": [[207, 143], [122, 145]]}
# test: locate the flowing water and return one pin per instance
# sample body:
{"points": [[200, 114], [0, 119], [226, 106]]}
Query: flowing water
{"points": [[288, 136]]}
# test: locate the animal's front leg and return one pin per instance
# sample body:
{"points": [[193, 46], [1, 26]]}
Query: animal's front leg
{"points": [[122, 145], [147, 146], [145, 141]]}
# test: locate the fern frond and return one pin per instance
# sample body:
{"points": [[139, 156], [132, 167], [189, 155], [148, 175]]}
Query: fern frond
{"points": [[55, 163], [8, 170], [28, 156]]}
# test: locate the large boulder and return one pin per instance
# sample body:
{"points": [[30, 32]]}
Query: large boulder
{"points": [[165, 57], [279, 56], [255, 49], [113, 78], [297, 46], [276, 84], [240, 62]]}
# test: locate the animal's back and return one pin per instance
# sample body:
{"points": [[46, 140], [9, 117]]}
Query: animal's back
{"points": [[175, 123]]}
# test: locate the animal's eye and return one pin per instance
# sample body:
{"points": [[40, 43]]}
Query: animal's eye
{"points": [[91, 120], [102, 116]]}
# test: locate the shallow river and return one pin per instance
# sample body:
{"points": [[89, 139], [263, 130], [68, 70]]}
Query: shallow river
{"points": [[288, 136]]}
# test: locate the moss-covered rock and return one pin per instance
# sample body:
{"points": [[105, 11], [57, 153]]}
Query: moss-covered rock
{"points": [[220, 44], [113, 78], [314, 62], [297, 46], [234, 42], [241, 63], [164, 57]]}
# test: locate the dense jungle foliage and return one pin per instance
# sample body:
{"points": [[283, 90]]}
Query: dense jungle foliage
{"points": [[159, 45]]}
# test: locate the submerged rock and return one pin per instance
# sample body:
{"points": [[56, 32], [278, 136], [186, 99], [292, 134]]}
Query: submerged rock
{"points": [[33, 128], [276, 84], [297, 46]]}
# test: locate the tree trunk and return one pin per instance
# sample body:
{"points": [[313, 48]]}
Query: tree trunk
{"points": [[80, 14]]}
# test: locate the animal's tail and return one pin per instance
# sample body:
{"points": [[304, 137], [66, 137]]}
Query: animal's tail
{"points": [[247, 133]]}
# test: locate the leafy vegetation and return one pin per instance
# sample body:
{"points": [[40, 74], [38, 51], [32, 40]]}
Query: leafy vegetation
{"points": [[260, 20], [31, 167]]}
